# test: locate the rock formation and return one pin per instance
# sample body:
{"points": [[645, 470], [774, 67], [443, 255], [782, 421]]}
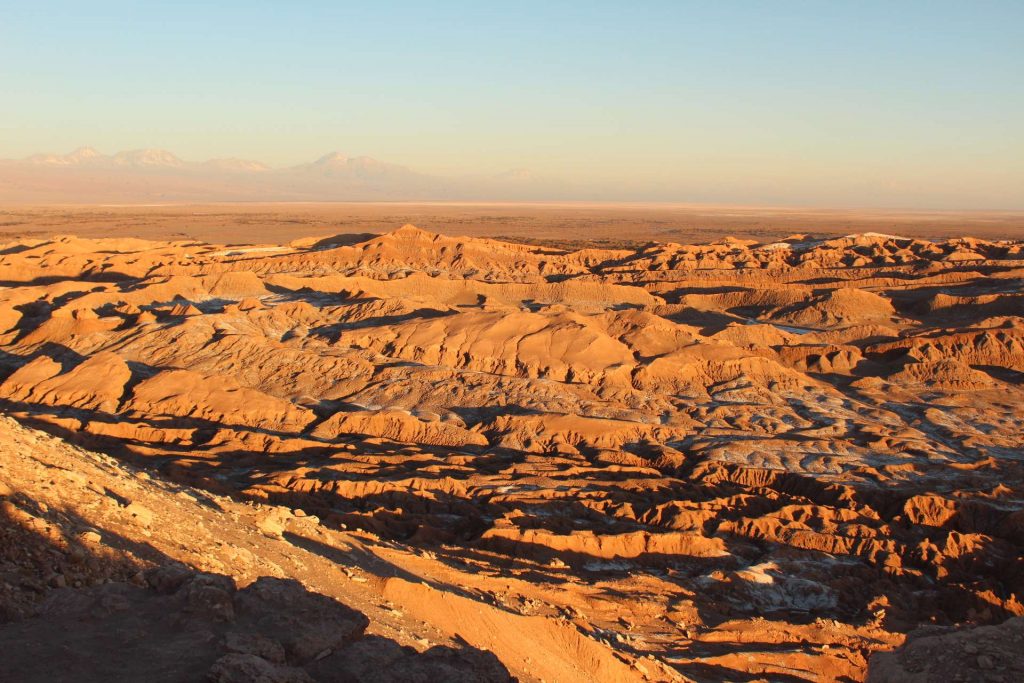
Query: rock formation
{"points": [[713, 461]]}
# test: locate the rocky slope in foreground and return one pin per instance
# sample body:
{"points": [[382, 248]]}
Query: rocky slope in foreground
{"points": [[712, 462]]}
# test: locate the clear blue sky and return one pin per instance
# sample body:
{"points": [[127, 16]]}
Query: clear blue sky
{"points": [[817, 102]]}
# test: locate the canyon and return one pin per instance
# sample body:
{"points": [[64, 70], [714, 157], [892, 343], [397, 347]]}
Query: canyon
{"points": [[624, 460]]}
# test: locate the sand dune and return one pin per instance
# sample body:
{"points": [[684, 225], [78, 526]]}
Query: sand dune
{"points": [[730, 460]]}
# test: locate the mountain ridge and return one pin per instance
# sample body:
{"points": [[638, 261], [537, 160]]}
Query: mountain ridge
{"points": [[155, 156], [147, 174]]}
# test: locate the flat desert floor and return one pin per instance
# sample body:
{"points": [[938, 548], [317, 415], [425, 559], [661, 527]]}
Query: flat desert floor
{"points": [[616, 446], [566, 224]]}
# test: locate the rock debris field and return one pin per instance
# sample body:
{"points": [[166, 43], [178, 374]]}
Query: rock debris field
{"points": [[418, 457]]}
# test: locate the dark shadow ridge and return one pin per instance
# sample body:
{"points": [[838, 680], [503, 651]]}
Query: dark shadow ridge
{"points": [[343, 240], [18, 248], [709, 322], [332, 332], [172, 623]]}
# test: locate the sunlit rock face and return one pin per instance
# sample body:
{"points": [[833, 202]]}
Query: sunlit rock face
{"points": [[746, 452]]}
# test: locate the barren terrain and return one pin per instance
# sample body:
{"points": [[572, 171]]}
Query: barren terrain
{"points": [[758, 458], [560, 224]]}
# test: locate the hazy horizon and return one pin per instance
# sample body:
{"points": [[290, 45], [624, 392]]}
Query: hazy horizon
{"points": [[915, 105]]}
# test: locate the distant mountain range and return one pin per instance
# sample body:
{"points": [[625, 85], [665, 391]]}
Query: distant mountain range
{"points": [[156, 175]]}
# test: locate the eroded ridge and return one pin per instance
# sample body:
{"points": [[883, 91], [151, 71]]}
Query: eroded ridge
{"points": [[728, 459]]}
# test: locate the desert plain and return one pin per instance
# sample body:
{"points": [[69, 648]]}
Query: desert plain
{"points": [[478, 442]]}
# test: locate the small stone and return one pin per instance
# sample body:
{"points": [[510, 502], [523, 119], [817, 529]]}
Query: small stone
{"points": [[255, 644], [208, 595], [141, 515], [273, 524], [91, 536], [970, 648], [108, 604], [985, 662], [244, 668], [13, 512], [168, 578]]}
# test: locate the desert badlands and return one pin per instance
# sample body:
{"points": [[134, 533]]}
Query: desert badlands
{"points": [[420, 457]]}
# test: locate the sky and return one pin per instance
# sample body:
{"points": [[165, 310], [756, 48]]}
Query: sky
{"points": [[822, 103]]}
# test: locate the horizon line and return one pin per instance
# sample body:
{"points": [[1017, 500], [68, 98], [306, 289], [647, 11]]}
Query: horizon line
{"points": [[640, 204]]}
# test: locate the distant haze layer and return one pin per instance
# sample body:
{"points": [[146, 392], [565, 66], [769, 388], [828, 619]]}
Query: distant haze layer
{"points": [[149, 175], [870, 104], [143, 176]]}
